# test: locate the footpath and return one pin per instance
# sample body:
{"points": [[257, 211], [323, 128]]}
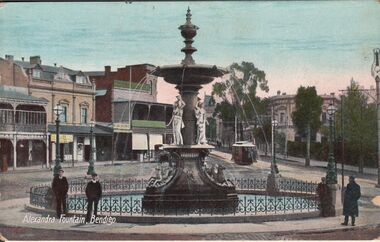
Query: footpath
{"points": [[13, 212]]}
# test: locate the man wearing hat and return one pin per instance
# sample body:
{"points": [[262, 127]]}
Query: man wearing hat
{"points": [[93, 193], [60, 187], [350, 203]]}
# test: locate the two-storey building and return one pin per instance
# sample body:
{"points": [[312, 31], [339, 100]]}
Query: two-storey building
{"points": [[284, 105], [24, 138], [73, 90], [126, 100]]}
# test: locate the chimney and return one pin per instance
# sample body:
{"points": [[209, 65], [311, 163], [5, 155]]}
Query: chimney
{"points": [[278, 92], [35, 60], [9, 57], [107, 69]]}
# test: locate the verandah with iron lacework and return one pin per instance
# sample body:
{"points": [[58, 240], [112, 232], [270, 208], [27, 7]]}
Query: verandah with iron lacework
{"points": [[124, 197]]}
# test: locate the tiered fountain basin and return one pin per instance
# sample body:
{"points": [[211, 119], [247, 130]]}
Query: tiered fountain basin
{"points": [[194, 74]]}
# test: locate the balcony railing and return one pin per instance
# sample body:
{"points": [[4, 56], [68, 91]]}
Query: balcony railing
{"points": [[22, 120], [133, 85], [148, 124]]}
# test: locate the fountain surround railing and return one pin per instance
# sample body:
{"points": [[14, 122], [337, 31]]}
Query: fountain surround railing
{"points": [[294, 197]]}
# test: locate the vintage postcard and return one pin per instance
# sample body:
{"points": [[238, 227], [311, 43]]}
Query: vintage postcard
{"points": [[190, 120]]}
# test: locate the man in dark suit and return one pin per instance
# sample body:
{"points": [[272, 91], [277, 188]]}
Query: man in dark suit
{"points": [[60, 187], [93, 193], [350, 203]]}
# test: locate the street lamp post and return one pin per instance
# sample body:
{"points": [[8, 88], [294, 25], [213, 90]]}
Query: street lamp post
{"points": [[57, 111], [91, 168], [274, 168], [376, 75], [272, 187], [331, 174]]}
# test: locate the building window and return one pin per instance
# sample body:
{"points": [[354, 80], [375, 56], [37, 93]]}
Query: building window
{"points": [[79, 79], [36, 73], [324, 118], [282, 117], [83, 115], [63, 116]]}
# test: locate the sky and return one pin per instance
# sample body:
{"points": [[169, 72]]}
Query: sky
{"points": [[318, 43]]}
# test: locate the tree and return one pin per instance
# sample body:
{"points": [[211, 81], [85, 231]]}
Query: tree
{"points": [[306, 117], [359, 119], [238, 93]]}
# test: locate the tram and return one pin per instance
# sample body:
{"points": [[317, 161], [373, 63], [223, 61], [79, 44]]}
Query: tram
{"points": [[244, 153]]}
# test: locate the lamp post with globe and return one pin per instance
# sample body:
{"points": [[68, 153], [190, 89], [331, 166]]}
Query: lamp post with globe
{"points": [[57, 111], [331, 174], [274, 168]]}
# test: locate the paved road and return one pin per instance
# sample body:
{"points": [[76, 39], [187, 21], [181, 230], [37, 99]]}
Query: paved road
{"points": [[16, 184], [20, 233]]}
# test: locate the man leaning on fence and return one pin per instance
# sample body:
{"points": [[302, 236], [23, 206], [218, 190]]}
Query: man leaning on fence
{"points": [[325, 199], [93, 193], [60, 187]]}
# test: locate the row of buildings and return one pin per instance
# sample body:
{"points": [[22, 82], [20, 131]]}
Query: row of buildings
{"points": [[122, 106], [283, 106]]}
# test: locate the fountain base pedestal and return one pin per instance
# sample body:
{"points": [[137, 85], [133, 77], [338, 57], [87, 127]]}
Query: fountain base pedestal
{"points": [[193, 184]]}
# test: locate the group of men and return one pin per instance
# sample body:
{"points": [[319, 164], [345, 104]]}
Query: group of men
{"points": [[350, 200], [60, 188]]}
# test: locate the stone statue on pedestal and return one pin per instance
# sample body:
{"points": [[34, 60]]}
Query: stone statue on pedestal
{"points": [[177, 121], [200, 114]]}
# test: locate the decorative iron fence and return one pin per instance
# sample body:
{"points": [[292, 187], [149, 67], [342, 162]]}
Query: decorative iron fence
{"points": [[294, 196], [247, 205], [40, 196], [78, 185]]}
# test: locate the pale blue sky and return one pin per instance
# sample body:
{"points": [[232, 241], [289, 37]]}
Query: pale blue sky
{"points": [[322, 43]]}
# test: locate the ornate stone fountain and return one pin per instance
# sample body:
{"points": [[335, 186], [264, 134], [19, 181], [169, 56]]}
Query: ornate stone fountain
{"points": [[192, 183]]}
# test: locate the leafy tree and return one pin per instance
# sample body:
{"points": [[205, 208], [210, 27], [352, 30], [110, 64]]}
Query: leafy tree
{"points": [[359, 119], [238, 92], [306, 117]]}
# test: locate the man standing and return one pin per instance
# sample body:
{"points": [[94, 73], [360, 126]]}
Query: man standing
{"points": [[350, 203], [60, 187], [324, 197], [93, 193]]}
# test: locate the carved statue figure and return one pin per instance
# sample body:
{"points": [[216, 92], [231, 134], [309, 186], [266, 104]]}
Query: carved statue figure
{"points": [[163, 174], [200, 114], [216, 173], [177, 121]]}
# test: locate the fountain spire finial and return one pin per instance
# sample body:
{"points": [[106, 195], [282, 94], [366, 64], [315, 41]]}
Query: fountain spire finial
{"points": [[188, 31]]}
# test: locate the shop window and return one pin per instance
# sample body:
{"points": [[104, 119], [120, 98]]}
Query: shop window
{"points": [[68, 148]]}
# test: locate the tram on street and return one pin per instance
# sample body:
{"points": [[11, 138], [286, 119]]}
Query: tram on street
{"points": [[244, 153]]}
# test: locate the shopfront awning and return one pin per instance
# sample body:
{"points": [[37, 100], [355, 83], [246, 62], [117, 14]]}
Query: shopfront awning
{"points": [[139, 142], [155, 139]]}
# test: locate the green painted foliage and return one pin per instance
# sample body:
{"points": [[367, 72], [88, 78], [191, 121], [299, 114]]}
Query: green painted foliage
{"points": [[308, 110]]}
